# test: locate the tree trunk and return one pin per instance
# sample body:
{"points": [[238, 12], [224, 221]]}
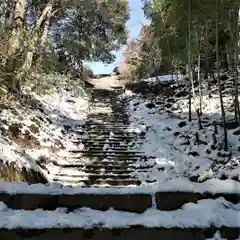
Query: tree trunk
{"points": [[219, 83], [44, 36], [14, 41], [236, 80], [200, 86], [33, 42], [189, 64]]}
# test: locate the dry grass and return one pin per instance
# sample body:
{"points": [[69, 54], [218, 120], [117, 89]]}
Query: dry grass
{"points": [[10, 172]]}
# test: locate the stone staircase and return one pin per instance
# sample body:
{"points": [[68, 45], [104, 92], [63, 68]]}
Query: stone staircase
{"points": [[105, 166], [106, 159]]}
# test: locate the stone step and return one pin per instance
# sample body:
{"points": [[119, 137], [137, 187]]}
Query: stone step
{"points": [[94, 177], [98, 165], [125, 233], [110, 153], [104, 129], [102, 143], [115, 133], [111, 146], [111, 119], [134, 202], [105, 170], [88, 156], [164, 200], [104, 160], [101, 182], [100, 140], [99, 148], [99, 124], [106, 137], [106, 125], [101, 156]]}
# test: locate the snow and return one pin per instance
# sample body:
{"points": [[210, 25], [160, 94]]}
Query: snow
{"points": [[217, 213], [158, 142], [165, 78], [217, 236], [171, 150], [167, 156], [176, 185], [54, 112]]}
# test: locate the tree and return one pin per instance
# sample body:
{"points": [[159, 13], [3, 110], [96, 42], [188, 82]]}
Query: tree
{"points": [[86, 30], [219, 81]]}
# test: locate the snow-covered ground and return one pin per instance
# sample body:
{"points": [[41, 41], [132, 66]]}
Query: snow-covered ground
{"points": [[165, 78], [217, 213], [45, 126], [175, 147]]}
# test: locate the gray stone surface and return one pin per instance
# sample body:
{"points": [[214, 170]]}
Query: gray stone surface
{"points": [[121, 234], [168, 201], [132, 202]]}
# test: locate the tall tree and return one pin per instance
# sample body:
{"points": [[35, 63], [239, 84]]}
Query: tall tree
{"points": [[86, 30], [219, 81], [14, 42]]}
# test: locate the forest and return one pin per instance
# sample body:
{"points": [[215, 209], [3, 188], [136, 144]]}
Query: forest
{"points": [[197, 38]]}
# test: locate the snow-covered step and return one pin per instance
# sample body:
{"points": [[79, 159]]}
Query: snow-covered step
{"points": [[101, 140], [124, 233], [94, 158], [101, 124], [115, 134], [102, 143], [99, 148], [123, 162], [132, 202], [106, 140], [107, 126], [116, 152], [112, 146], [99, 182], [98, 165], [103, 131], [90, 223], [104, 170], [103, 155], [106, 137], [94, 176]]}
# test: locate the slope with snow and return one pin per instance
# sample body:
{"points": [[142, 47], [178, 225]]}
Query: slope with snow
{"points": [[40, 129], [175, 147]]}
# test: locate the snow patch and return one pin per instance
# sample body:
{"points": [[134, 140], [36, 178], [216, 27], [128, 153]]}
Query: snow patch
{"points": [[217, 213]]}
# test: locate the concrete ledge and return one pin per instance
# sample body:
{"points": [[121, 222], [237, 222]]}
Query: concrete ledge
{"points": [[123, 234], [97, 233], [132, 202], [169, 201]]}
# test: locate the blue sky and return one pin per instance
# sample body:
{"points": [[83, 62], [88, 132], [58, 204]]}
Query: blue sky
{"points": [[134, 26]]}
